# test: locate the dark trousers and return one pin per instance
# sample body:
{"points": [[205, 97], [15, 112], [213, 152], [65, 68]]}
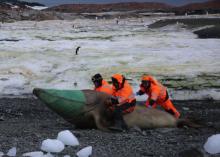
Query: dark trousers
{"points": [[170, 112], [118, 113], [125, 106]]}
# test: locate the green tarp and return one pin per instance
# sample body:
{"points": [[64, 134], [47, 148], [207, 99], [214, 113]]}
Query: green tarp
{"points": [[66, 103]]}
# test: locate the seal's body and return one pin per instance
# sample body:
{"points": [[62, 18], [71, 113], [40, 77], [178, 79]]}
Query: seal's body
{"points": [[92, 111], [142, 117]]}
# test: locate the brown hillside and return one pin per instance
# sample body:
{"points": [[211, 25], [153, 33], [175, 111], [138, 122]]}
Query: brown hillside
{"points": [[212, 4], [79, 8]]}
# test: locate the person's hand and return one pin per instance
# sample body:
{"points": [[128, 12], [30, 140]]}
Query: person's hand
{"points": [[114, 100], [138, 93]]}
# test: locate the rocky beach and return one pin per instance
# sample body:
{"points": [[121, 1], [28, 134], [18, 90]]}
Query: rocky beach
{"points": [[26, 122]]}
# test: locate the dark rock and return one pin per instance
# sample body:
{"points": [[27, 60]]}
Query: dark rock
{"points": [[213, 32], [191, 153]]}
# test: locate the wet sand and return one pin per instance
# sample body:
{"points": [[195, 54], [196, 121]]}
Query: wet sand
{"points": [[26, 122]]}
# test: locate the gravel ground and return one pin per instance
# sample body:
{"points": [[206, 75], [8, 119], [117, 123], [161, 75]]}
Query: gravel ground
{"points": [[25, 123]]}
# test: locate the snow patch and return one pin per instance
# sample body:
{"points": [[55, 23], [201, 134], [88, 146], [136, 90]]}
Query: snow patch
{"points": [[37, 7], [45, 53]]}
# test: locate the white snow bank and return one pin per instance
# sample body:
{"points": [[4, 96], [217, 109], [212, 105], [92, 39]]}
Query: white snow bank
{"points": [[37, 7], [52, 145], [67, 138], [85, 152], [212, 145]]}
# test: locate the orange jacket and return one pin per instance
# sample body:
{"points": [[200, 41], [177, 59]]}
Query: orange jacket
{"points": [[106, 88], [156, 91], [125, 94]]}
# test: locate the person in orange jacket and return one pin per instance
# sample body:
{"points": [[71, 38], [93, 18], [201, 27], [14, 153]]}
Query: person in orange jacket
{"points": [[157, 94], [123, 101], [101, 85]]}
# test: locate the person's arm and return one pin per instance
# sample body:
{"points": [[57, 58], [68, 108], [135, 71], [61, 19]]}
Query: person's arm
{"points": [[153, 97], [155, 92]]}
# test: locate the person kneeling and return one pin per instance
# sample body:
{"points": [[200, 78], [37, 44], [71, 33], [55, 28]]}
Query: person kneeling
{"points": [[123, 101]]}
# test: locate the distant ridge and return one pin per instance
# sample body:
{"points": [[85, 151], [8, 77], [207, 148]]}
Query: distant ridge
{"points": [[212, 6], [15, 10], [92, 8]]}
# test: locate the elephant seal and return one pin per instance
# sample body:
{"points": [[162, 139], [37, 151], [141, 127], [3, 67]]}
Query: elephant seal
{"points": [[141, 117], [95, 113]]}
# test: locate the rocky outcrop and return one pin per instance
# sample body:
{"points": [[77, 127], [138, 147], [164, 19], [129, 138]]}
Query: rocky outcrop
{"points": [[206, 27], [213, 32], [12, 10], [212, 6]]}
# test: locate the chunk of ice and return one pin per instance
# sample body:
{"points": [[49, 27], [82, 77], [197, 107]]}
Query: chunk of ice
{"points": [[66, 156], [52, 145], [12, 151], [48, 155], [212, 145], [85, 152], [67, 138], [34, 154], [1, 154]]}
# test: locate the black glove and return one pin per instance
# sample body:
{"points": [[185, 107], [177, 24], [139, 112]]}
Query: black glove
{"points": [[139, 92], [114, 100], [151, 102]]}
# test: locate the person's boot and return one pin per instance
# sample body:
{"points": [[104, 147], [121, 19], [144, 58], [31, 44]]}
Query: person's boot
{"points": [[120, 124], [117, 126]]}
